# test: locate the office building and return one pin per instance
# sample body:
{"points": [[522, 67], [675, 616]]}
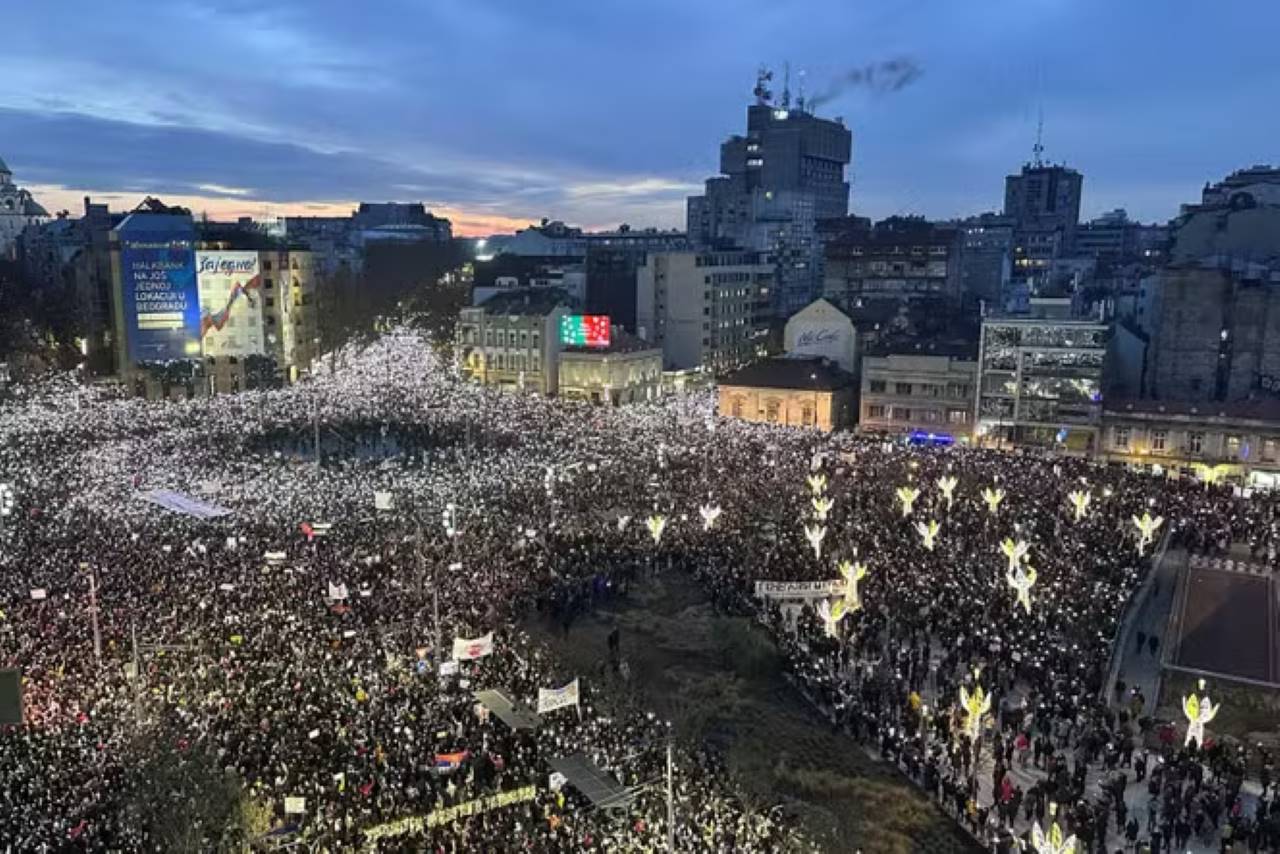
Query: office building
{"points": [[798, 391], [986, 257], [613, 257], [926, 389], [1116, 239], [775, 183], [18, 210], [705, 309], [512, 340], [1043, 201], [900, 258]]}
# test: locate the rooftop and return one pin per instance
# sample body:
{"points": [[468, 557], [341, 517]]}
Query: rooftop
{"points": [[526, 301], [1263, 409], [801, 373], [620, 341]]}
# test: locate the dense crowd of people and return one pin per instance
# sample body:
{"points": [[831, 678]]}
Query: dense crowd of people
{"points": [[288, 650]]}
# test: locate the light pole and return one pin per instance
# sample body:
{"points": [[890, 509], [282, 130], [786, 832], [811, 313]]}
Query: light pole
{"points": [[450, 519], [93, 612], [6, 504]]}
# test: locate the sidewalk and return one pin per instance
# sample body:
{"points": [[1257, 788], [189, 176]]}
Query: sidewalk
{"points": [[1139, 668]]}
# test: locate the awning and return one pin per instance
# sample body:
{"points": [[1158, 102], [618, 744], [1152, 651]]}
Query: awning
{"points": [[598, 785], [508, 712]]}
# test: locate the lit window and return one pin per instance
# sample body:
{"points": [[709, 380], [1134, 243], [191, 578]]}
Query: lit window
{"points": [[1122, 437]]}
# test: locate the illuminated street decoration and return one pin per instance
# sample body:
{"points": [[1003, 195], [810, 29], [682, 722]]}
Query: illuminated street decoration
{"points": [[993, 497], [815, 534], [818, 483], [907, 495], [1199, 711], [1210, 474], [948, 486], [1021, 580], [709, 515], [623, 521], [929, 532], [975, 705], [1015, 552], [656, 525], [1054, 842], [1080, 500], [831, 613], [1147, 527], [852, 573], [822, 507]]}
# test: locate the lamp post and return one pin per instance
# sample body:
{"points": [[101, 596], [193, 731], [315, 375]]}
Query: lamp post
{"points": [[93, 612], [6, 504]]}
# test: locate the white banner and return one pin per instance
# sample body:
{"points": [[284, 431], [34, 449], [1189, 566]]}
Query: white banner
{"points": [[179, 503], [231, 316], [550, 699], [383, 501], [337, 592], [295, 806], [469, 650], [800, 589]]}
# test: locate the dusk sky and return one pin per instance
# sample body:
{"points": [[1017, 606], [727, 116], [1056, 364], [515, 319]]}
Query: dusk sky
{"points": [[598, 112]]}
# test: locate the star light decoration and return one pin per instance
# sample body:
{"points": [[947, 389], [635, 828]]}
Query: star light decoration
{"points": [[1054, 842], [831, 613], [1147, 527], [1080, 500], [817, 483], [656, 525], [852, 573], [1015, 552], [822, 507], [993, 497], [929, 532], [1199, 711], [907, 495], [709, 515], [975, 705], [948, 486], [815, 534]]}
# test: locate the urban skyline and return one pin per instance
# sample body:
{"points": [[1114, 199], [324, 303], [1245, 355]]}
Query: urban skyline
{"points": [[303, 112]]}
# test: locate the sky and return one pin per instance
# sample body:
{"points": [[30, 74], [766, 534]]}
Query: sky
{"points": [[598, 112]]}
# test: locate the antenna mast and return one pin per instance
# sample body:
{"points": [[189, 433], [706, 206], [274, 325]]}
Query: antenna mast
{"points": [[762, 93], [786, 85], [1038, 148]]}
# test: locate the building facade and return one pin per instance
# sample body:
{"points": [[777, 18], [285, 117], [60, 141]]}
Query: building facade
{"points": [[18, 210], [613, 257], [708, 309], [627, 371], [1040, 380], [512, 341], [986, 257], [792, 391], [918, 392], [901, 258], [821, 329]]}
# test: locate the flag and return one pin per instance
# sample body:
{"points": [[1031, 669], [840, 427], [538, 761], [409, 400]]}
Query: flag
{"points": [[550, 699], [308, 531], [451, 761], [469, 650], [337, 592]]}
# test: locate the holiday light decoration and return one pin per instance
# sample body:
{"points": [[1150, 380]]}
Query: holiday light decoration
{"points": [[815, 534], [709, 515], [818, 483], [822, 507], [1199, 711], [993, 497], [1015, 552], [907, 495], [656, 524], [1147, 527], [1210, 474], [831, 613], [929, 532], [948, 484], [1054, 842], [852, 573], [1021, 580], [623, 522], [975, 705], [1080, 500]]}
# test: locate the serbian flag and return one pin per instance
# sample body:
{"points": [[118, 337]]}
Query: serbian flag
{"points": [[308, 531], [451, 761], [469, 649]]}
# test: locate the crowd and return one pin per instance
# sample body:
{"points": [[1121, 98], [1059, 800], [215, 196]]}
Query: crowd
{"points": [[214, 655]]}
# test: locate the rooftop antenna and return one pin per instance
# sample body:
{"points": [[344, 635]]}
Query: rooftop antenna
{"points": [[762, 93], [1038, 148], [786, 86], [800, 98]]}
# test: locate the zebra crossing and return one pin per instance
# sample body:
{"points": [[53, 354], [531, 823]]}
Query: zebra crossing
{"points": [[1227, 564]]}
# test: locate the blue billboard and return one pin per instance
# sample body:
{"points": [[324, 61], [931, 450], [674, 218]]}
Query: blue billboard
{"points": [[158, 287]]}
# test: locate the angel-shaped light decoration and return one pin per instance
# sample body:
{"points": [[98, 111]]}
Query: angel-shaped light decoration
{"points": [[975, 705], [1015, 552], [822, 507], [947, 484], [1210, 474], [814, 534], [831, 613], [852, 573], [1080, 500], [709, 515], [929, 532], [1021, 580], [1199, 711], [907, 495], [1053, 842], [623, 522], [817, 483], [993, 497], [1147, 526], [656, 524]]}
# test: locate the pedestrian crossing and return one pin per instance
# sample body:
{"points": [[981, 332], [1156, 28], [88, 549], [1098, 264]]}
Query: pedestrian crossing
{"points": [[1229, 565]]}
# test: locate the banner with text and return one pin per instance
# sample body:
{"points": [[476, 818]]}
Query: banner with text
{"points": [[800, 589], [550, 699], [469, 650]]}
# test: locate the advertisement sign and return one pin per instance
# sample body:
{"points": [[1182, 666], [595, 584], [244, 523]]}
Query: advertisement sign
{"points": [[158, 287], [230, 286], [584, 330]]}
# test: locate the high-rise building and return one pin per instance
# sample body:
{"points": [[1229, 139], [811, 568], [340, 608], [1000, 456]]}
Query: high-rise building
{"points": [[900, 258], [1044, 203], [776, 182], [986, 258]]}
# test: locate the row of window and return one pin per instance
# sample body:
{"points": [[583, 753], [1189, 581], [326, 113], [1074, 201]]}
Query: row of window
{"points": [[952, 390], [1158, 443], [879, 412], [772, 411], [508, 362]]}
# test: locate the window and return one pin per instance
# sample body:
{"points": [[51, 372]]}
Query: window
{"points": [[928, 416], [1195, 442], [902, 388], [266, 265], [806, 415], [900, 413], [877, 387], [771, 409], [735, 407], [1269, 450], [1122, 437], [875, 411], [1233, 446], [958, 416], [1158, 440]]}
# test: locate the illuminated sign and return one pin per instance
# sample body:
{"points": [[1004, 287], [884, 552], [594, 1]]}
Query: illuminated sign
{"points": [[584, 330], [158, 286]]}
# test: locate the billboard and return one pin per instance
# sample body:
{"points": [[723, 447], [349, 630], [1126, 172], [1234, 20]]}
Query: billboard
{"points": [[158, 287], [231, 321], [584, 330]]}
